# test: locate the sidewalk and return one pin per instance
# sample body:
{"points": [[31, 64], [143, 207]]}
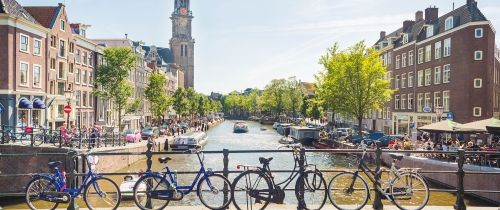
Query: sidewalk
{"points": [[326, 207]]}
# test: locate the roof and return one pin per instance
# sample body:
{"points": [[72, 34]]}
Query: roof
{"points": [[44, 15], [462, 15], [13, 8], [164, 53], [121, 42]]}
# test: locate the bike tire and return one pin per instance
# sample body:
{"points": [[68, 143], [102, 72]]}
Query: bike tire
{"points": [[143, 184], [38, 139], [417, 183], [341, 194], [55, 140], [223, 187], [243, 183], [313, 182], [112, 194], [24, 139], [32, 188]]}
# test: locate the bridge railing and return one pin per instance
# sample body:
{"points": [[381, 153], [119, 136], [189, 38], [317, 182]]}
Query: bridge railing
{"points": [[72, 163]]}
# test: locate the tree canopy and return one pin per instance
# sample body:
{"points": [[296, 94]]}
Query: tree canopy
{"points": [[156, 94]]}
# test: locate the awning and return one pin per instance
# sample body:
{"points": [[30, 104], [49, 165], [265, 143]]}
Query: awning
{"points": [[447, 126], [24, 103], [486, 125], [38, 104]]}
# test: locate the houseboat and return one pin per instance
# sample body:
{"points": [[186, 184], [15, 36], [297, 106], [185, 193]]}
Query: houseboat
{"points": [[304, 135], [267, 120], [189, 141], [283, 128], [240, 127]]}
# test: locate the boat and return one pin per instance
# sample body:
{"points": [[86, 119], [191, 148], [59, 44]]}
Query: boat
{"points": [[189, 141], [283, 128], [267, 120], [323, 144], [286, 140], [127, 187], [240, 127], [304, 135]]}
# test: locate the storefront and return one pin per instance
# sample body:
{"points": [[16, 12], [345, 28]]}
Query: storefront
{"points": [[406, 123]]}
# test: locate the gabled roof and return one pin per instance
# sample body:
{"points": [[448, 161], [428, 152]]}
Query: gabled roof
{"points": [[13, 8], [46, 16], [164, 53]]}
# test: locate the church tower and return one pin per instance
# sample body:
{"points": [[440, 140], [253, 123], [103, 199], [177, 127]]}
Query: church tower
{"points": [[182, 43]]}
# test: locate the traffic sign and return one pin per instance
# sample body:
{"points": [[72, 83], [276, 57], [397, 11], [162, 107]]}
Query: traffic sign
{"points": [[67, 109], [427, 109]]}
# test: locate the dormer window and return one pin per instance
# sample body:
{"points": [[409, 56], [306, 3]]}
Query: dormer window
{"points": [[405, 38], [448, 23], [430, 31], [63, 25]]}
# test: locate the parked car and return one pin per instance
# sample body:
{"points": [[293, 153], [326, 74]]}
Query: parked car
{"points": [[343, 131], [149, 132], [163, 129], [387, 140], [368, 138], [131, 136]]}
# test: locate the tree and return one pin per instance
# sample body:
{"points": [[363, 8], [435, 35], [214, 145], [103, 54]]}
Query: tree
{"points": [[294, 95], [180, 102], [112, 78], [156, 94], [355, 77], [274, 96]]}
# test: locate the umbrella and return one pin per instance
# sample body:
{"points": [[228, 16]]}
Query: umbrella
{"points": [[491, 124], [445, 126]]}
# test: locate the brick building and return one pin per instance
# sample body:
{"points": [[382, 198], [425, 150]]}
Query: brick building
{"points": [[447, 62]]}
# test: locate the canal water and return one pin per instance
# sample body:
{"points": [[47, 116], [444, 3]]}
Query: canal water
{"points": [[259, 137]]}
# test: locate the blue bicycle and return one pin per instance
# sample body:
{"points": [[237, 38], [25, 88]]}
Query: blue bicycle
{"points": [[155, 190], [46, 191]]}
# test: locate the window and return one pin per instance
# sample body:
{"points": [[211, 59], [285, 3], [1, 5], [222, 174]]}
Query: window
{"points": [[24, 43], [62, 48], [396, 102], [24, 73], [91, 59], [427, 101], [420, 55], [405, 38], [410, 58], [60, 111], [428, 77], [84, 58], [403, 60], [477, 112], [448, 23], [90, 78], [61, 74], [71, 67], [478, 55], [77, 57], [63, 25], [60, 88], [437, 100], [447, 47], [185, 50], [437, 75], [428, 54], [420, 101], [77, 76], [71, 47], [84, 98], [429, 31], [52, 88], [403, 80], [478, 33], [37, 73], [410, 100], [398, 58], [410, 79], [91, 100], [437, 50], [78, 97], [446, 101], [52, 63], [53, 41], [478, 83], [37, 47], [396, 82], [403, 101], [446, 73], [420, 78], [84, 75]]}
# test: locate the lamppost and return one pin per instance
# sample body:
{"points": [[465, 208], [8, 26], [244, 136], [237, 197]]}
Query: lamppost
{"points": [[68, 94], [439, 112]]}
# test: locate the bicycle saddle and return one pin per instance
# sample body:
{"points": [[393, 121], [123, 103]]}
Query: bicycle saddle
{"points": [[396, 156], [164, 159], [54, 164], [263, 160]]}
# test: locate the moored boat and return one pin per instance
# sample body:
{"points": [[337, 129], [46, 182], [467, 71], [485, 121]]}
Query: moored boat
{"points": [[304, 135], [127, 187], [323, 144], [286, 140], [267, 120], [189, 141], [283, 128], [240, 127]]}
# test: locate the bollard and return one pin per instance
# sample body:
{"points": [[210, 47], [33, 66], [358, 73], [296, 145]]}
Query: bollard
{"points": [[225, 172], [31, 138], [113, 138], [377, 202], [72, 176], [460, 204], [302, 157], [149, 162]]}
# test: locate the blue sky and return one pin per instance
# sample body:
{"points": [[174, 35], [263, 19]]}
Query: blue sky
{"points": [[246, 43]]}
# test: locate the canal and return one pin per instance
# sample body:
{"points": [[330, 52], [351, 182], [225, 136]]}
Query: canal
{"points": [[259, 137]]}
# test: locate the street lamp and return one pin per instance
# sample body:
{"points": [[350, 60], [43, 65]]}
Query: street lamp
{"points": [[68, 94], [439, 112]]}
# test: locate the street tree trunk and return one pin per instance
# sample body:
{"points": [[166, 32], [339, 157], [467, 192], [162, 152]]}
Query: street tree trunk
{"points": [[360, 121]]}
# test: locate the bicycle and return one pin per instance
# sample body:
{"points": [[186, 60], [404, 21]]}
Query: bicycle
{"points": [[406, 188], [255, 187], [155, 190], [45, 137], [10, 134], [46, 191]]}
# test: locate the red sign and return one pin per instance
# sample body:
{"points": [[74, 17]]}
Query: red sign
{"points": [[67, 109]]}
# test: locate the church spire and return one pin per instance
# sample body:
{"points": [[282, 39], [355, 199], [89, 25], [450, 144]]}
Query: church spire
{"points": [[181, 7]]}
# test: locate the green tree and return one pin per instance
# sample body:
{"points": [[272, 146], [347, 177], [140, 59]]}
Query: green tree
{"points": [[156, 94], [112, 78], [294, 95], [274, 96], [180, 102], [357, 78]]}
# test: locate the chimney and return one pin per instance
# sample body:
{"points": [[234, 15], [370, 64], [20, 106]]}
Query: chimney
{"points": [[470, 2], [126, 36], [419, 15], [431, 14], [407, 24], [382, 34]]}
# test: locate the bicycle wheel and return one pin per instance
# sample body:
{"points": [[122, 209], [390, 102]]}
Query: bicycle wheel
{"points": [[55, 140], [409, 191], [38, 139], [314, 186], [102, 193], [145, 187], [348, 191], [36, 189], [24, 139], [214, 191], [247, 186]]}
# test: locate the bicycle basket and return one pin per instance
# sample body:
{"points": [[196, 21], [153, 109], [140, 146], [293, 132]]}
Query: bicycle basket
{"points": [[28, 129]]}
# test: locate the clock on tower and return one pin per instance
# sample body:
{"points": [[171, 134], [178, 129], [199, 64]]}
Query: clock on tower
{"points": [[181, 43]]}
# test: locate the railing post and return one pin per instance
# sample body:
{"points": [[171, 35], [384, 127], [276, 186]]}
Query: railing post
{"points": [[225, 172], [113, 138], [460, 204], [72, 176], [3, 134], [302, 158], [31, 138], [60, 138], [149, 162], [79, 138], [377, 202]]}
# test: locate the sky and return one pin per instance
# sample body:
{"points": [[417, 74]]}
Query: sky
{"points": [[247, 43]]}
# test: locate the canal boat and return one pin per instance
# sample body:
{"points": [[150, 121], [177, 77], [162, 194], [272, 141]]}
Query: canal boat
{"points": [[283, 128], [240, 127], [127, 187], [189, 141], [323, 144], [304, 135], [286, 140], [267, 120]]}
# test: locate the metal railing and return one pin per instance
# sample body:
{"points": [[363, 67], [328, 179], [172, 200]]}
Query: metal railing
{"points": [[375, 154]]}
